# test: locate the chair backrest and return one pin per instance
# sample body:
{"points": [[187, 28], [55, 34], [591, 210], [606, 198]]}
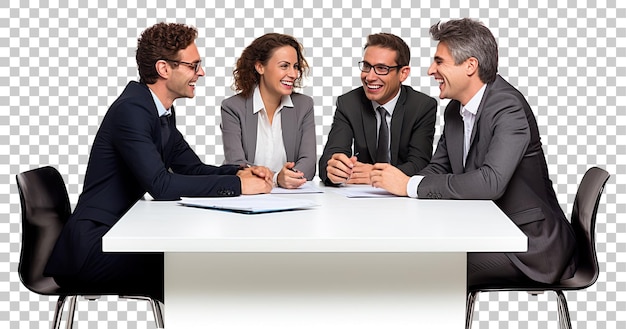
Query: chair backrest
{"points": [[584, 222], [45, 209]]}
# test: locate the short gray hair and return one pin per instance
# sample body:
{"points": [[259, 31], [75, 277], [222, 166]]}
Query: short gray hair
{"points": [[467, 38]]}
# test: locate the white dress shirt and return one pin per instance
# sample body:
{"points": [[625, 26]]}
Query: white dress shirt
{"points": [[270, 149], [389, 106]]}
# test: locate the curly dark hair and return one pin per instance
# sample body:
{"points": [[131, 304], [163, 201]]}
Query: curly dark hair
{"points": [[161, 41], [261, 50]]}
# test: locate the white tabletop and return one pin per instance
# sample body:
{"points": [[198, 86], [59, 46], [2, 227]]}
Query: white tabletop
{"points": [[338, 224]]}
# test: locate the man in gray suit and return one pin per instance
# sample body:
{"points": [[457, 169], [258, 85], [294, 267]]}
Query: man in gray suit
{"points": [[490, 149], [382, 121]]}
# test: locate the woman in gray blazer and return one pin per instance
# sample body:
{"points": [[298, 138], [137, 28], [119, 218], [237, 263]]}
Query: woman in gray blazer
{"points": [[267, 123]]}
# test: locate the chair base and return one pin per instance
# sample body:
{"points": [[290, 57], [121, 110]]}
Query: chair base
{"points": [[157, 309], [563, 310]]}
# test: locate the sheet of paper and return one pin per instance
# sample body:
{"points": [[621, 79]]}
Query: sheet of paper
{"points": [[249, 204], [308, 187], [362, 191]]}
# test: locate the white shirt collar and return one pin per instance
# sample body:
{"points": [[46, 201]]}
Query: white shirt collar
{"points": [[472, 105], [160, 107], [258, 105], [390, 105]]}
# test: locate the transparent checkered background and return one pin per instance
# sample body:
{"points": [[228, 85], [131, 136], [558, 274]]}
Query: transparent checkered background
{"points": [[63, 62]]}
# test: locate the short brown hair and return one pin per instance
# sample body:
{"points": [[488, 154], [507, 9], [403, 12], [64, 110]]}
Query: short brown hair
{"points": [[261, 50], [161, 41], [393, 42]]}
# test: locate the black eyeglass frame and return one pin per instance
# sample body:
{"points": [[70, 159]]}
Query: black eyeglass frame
{"points": [[195, 65], [366, 67]]}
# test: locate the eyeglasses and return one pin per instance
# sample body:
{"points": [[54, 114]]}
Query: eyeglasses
{"points": [[195, 65], [379, 69]]}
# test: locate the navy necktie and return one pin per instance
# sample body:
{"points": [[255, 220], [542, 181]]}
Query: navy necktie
{"points": [[165, 129], [382, 151]]}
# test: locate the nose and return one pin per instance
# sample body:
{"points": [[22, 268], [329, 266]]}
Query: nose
{"points": [[431, 69], [293, 72], [371, 75], [200, 71]]}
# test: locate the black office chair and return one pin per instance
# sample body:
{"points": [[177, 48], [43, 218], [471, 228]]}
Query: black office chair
{"points": [[45, 208], [584, 222]]}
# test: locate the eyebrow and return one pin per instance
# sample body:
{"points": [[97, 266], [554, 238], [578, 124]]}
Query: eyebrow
{"points": [[379, 64]]}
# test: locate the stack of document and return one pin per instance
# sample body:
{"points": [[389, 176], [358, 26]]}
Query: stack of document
{"points": [[250, 204]]}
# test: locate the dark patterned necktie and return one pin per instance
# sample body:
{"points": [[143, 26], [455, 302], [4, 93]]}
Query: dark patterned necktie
{"points": [[382, 151]]}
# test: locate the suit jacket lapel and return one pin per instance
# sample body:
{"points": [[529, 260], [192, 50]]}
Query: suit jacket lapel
{"points": [[396, 126], [368, 115], [289, 123], [454, 136], [251, 130], [479, 112]]}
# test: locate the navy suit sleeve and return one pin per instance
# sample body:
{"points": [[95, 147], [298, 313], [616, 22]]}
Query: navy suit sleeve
{"points": [[136, 138]]}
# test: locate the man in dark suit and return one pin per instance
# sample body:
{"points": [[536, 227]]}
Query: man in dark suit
{"points": [[490, 149], [137, 150], [382, 121]]}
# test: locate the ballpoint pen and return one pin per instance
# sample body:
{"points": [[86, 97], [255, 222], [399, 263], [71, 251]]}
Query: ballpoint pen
{"points": [[296, 171], [350, 175]]}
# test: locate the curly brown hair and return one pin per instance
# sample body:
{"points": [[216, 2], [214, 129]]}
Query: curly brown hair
{"points": [[261, 50], [161, 41]]}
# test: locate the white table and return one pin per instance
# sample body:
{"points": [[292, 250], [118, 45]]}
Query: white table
{"points": [[349, 263]]}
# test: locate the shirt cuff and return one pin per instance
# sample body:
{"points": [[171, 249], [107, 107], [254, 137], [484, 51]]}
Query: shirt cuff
{"points": [[411, 186], [275, 179]]}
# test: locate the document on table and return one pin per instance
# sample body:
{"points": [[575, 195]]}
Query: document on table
{"points": [[308, 187], [362, 191], [249, 204]]}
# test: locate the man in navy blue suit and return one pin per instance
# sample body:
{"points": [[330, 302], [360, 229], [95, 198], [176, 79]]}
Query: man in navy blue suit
{"points": [[137, 150]]}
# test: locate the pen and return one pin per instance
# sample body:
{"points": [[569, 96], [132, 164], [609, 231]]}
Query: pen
{"points": [[296, 171]]}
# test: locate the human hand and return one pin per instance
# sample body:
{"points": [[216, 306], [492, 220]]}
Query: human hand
{"points": [[339, 168], [290, 177], [253, 183], [390, 178], [261, 172], [360, 173]]}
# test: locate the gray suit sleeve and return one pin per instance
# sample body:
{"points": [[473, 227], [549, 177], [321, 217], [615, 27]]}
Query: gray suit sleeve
{"points": [[232, 137], [503, 135], [307, 156]]}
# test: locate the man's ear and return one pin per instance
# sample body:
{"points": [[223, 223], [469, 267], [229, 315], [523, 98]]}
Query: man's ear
{"points": [[471, 66], [404, 72], [163, 69]]}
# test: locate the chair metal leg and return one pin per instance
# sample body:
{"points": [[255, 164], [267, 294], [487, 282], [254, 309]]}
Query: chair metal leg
{"points": [[469, 312], [70, 312], [157, 309], [564, 319], [58, 312]]}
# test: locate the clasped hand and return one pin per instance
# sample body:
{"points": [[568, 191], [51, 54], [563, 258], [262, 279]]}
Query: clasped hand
{"points": [[256, 180]]}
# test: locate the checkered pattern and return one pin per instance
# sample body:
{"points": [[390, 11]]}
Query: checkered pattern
{"points": [[63, 63]]}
